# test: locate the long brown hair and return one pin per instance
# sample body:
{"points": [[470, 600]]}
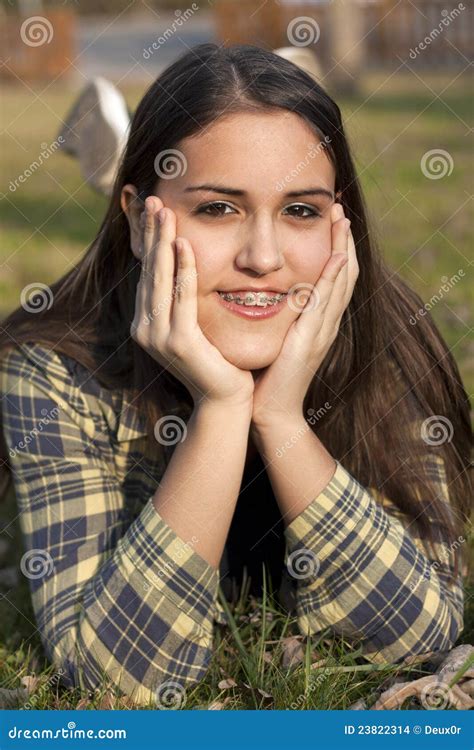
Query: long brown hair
{"points": [[384, 377]]}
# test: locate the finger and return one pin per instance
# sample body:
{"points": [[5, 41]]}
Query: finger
{"points": [[330, 284], [165, 258], [144, 293], [184, 312], [332, 270], [339, 224], [149, 233], [160, 263], [340, 240], [341, 297], [141, 303], [352, 268]]}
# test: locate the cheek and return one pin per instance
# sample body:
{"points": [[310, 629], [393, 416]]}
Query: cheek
{"points": [[312, 253], [213, 255]]}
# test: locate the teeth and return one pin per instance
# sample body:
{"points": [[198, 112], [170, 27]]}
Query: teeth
{"points": [[259, 299]]}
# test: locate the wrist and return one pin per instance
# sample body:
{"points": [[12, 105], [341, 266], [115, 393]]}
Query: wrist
{"points": [[276, 421], [231, 409]]}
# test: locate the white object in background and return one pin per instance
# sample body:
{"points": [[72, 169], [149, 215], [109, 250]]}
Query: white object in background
{"points": [[95, 132], [304, 58]]}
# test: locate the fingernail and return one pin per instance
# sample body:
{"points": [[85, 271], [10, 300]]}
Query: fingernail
{"points": [[339, 210], [161, 215], [347, 225]]}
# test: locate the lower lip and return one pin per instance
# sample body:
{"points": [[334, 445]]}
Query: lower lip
{"points": [[253, 313]]}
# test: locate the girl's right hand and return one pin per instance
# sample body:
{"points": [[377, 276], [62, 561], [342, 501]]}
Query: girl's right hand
{"points": [[165, 321]]}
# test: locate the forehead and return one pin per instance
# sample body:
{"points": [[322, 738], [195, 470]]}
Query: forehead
{"points": [[254, 151]]}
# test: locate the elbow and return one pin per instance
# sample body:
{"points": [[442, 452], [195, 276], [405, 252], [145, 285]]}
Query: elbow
{"points": [[399, 638]]}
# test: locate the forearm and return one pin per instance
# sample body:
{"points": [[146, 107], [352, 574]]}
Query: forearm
{"points": [[198, 492], [297, 463], [375, 578]]}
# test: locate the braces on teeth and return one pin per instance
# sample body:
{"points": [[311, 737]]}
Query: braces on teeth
{"points": [[253, 298]]}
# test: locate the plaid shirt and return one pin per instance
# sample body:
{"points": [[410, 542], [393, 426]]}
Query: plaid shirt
{"points": [[117, 593]]}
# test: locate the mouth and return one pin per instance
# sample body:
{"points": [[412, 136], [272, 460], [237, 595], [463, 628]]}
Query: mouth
{"points": [[253, 305], [253, 299]]}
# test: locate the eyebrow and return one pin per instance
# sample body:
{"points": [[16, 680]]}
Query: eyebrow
{"points": [[234, 191]]}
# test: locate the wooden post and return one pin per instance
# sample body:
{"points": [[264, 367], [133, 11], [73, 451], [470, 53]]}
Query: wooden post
{"points": [[347, 49]]}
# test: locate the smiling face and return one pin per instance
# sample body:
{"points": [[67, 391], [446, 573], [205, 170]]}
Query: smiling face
{"points": [[254, 230]]}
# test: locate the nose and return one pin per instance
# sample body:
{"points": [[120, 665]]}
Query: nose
{"points": [[259, 250]]}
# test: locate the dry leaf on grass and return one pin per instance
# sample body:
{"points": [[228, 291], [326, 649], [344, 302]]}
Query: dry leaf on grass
{"points": [[219, 705], [434, 691], [263, 693], [226, 684], [431, 692], [18, 696], [106, 702], [318, 664], [468, 688], [30, 682], [292, 652], [454, 661], [359, 705]]}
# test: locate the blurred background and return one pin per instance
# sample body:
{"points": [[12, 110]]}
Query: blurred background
{"points": [[399, 69]]}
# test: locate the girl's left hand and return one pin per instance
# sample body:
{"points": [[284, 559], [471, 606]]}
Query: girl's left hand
{"points": [[282, 386]]}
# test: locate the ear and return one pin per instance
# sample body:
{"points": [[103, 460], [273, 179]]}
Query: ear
{"points": [[133, 209]]}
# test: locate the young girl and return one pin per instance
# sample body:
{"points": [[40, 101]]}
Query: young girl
{"points": [[231, 376]]}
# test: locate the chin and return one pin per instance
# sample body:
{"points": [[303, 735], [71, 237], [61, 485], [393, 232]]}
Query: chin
{"points": [[249, 358]]}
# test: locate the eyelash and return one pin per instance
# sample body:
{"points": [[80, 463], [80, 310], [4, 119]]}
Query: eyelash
{"points": [[202, 210]]}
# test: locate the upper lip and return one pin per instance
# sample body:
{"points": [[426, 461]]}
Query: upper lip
{"points": [[277, 289]]}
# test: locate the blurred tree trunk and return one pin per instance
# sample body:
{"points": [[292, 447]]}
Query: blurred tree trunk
{"points": [[348, 47]]}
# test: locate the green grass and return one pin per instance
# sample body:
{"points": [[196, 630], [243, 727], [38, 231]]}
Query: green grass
{"points": [[423, 228]]}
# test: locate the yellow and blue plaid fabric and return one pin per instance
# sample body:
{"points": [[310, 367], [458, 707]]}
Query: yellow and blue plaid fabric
{"points": [[123, 597]]}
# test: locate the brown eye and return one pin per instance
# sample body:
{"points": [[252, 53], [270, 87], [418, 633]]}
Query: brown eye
{"points": [[300, 207], [213, 209]]}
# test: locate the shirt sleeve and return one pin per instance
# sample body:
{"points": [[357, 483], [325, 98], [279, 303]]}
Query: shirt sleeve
{"points": [[130, 604], [364, 573]]}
